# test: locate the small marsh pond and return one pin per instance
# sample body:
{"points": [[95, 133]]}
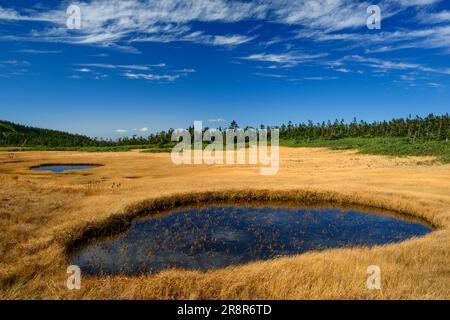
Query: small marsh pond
{"points": [[216, 236], [62, 168]]}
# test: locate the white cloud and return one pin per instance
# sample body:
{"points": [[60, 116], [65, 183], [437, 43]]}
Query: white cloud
{"points": [[121, 131], [334, 15], [13, 68], [418, 2], [440, 16], [320, 78], [425, 38], [343, 70], [287, 59], [100, 76], [322, 14], [101, 55], [185, 70], [232, 40], [198, 37], [145, 129], [108, 22], [158, 65], [270, 75], [14, 63], [407, 77], [150, 76], [98, 65], [14, 16], [387, 49], [35, 51], [118, 24], [84, 70], [435, 85], [131, 71], [386, 65], [114, 66], [134, 67]]}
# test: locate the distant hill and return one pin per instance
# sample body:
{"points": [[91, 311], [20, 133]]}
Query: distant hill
{"points": [[12, 134]]}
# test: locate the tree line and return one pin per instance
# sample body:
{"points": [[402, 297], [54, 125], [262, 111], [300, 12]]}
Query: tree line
{"points": [[415, 129]]}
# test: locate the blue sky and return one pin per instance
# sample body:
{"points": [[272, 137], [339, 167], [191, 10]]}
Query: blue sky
{"points": [[136, 67]]}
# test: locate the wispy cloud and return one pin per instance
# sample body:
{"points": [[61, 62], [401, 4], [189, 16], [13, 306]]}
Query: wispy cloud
{"points": [[198, 37], [116, 66], [406, 77], [145, 129], [393, 65], [343, 70], [409, 3], [139, 67], [13, 68], [335, 25], [232, 40], [109, 22], [185, 70], [150, 76], [135, 71], [84, 70], [320, 78], [12, 15], [287, 59], [270, 75], [100, 55], [435, 85], [35, 51], [433, 37], [14, 63], [158, 65]]}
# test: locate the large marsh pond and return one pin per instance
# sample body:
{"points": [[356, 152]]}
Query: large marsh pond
{"points": [[219, 236]]}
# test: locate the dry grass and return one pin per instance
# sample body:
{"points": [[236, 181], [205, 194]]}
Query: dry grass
{"points": [[43, 213]]}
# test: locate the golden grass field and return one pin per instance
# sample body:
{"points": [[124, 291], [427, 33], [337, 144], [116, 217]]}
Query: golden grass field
{"points": [[41, 213]]}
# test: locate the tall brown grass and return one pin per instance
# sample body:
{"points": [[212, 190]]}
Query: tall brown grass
{"points": [[44, 215]]}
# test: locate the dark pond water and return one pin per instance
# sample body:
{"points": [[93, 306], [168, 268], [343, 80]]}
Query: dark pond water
{"points": [[62, 168], [216, 236]]}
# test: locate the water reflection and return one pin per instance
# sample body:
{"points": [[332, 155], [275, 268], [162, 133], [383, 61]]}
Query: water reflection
{"points": [[62, 168]]}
